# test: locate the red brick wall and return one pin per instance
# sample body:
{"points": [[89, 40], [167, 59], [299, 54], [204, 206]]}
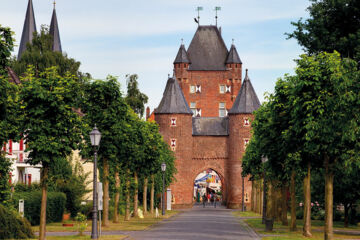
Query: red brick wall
{"points": [[209, 98], [237, 135]]}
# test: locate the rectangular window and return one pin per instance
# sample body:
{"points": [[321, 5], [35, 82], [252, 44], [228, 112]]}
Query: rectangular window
{"points": [[193, 108], [222, 88], [192, 88], [222, 109]]}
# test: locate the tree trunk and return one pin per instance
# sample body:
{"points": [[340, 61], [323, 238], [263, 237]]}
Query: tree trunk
{"points": [[136, 195], [278, 204], [252, 196], [117, 196], [269, 202], [258, 198], [293, 202], [346, 217], [145, 194], [105, 221], [284, 207], [307, 204], [127, 191], [152, 193], [44, 179], [329, 181]]}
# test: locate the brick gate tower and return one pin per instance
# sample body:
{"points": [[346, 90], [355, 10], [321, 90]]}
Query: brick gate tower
{"points": [[205, 116]]}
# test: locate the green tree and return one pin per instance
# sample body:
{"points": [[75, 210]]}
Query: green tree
{"points": [[51, 126], [326, 93], [40, 55], [104, 106], [134, 97], [333, 25], [6, 46], [9, 116]]}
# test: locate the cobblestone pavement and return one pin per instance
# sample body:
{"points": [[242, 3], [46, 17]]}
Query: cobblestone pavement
{"points": [[199, 223]]}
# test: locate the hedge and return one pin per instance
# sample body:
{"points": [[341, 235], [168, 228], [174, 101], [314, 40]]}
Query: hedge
{"points": [[55, 206], [12, 226]]}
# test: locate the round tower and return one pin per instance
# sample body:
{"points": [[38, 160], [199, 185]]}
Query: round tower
{"points": [[240, 117], [181, 65], [175, 122], [234, 65]]}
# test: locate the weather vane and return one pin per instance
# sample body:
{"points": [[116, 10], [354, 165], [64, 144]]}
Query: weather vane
{"points": [[54, 4], [197, 20], [216, 16]]}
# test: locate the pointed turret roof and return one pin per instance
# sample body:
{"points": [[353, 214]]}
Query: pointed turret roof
{"points": [[182, 56], [207, 50], [54, 32], [247, 100], [233, 56], [173, 100], [28, 30]]}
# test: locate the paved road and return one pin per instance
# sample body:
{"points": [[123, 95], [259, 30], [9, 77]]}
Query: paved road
{"points": [[198, 223]]}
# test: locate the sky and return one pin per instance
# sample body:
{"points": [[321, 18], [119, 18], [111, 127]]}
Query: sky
{"points": [[141, 36]]}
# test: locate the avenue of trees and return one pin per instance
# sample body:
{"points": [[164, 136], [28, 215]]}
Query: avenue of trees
{"points": [[308, 129], [54, 109]]}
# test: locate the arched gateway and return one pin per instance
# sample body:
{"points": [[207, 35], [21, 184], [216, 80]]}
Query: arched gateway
{"points": [[205, 116]]}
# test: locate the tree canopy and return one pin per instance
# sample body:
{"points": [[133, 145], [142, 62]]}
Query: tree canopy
{"points": [[40, 55], [134, 97], [333, 25]]}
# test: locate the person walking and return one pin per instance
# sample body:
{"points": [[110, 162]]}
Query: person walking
{"points": [[204, 200], [215, 199]]}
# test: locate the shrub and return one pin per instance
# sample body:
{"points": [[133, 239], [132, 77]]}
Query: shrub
{"points": [[81, 223], [55, 206], [12, 226], [86, 209], [21, 187]]}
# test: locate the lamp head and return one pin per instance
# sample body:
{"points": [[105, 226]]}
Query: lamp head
{"points": [[95, 137], [163, 167]]}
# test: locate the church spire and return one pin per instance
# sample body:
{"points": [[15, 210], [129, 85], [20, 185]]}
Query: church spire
{"points": [[28, 30], [54, 32]]}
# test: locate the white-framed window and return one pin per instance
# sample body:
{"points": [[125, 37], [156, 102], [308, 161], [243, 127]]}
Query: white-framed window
{"points": [[173, 122], [198, 112], [222, 88], [198, 88], [173, 144], [193, 108], [192, 88], [228, 89], [246, 122], [246, 142], [222, 109]]}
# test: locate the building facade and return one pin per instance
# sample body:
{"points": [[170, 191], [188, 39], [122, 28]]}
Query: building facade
{"points": [[205, 116]]}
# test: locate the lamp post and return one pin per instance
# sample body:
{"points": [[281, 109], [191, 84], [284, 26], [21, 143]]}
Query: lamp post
{"points": [[95, 137], [264, 160], [163, 169]]}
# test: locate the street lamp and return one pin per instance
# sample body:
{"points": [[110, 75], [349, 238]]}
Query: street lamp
{"points": [[95, 137], [264, 160], [163, 169]]}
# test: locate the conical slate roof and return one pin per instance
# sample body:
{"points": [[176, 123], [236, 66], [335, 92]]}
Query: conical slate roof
{"points": [[28, 30], [173, 100], [247, 100], [233, 56], [182, 56], [54, 32], [207, 50]]}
